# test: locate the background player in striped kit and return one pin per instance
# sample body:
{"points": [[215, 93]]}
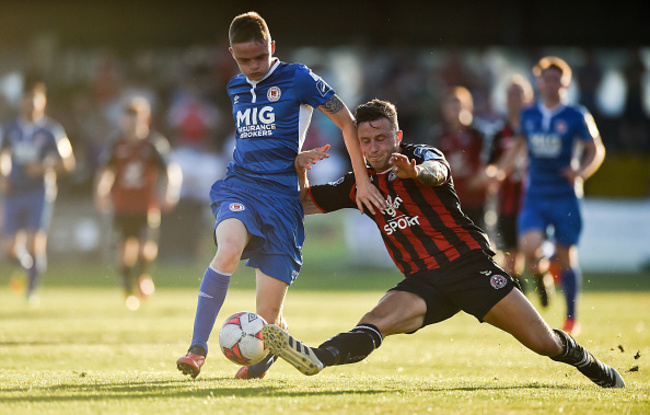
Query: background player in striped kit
{"points": [[138, 182], [509, 194], [564, 149], [258, 212], [34, 149], [445, 258]]}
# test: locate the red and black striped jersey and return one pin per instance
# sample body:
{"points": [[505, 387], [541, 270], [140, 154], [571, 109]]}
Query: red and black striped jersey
{"points": [[511, 189], [423, 227]]}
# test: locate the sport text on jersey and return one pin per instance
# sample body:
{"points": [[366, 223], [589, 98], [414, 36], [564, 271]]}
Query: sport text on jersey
{"points": [[394, 222], [254, 122]]}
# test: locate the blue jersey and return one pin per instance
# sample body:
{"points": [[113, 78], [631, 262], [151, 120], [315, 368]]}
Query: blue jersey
{"points": [[271, 120], [29, 143], [551, 138]]}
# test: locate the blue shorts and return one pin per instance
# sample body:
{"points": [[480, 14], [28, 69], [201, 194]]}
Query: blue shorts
{"points": [[562, 213], [275, 222], [28, 211]]}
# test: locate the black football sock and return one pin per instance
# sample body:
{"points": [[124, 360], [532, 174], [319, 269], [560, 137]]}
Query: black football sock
{"points": [[126, 273], [577, 356], [349, 347]]}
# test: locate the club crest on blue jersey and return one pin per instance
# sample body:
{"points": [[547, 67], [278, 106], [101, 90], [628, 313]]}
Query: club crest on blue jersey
{"points": [[273, 94], [498, 281], [561, 126], [237, 207]]}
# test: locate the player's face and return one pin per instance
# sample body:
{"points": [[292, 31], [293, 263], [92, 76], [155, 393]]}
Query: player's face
{"points": [[134, 124], [515, 98], [33, 105], [550, 84], [378, 142], [253, 58]]}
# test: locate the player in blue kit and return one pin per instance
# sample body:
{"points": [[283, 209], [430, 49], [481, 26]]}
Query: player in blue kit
{"points": [[564, 149], [33, 150], [259, 216]]}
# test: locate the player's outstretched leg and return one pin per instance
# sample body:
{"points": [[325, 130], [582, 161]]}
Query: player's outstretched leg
{"points": [[597, 371], [282, 344], [344, 348]]}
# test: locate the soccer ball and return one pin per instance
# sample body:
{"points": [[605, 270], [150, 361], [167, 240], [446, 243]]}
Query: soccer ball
{"points": [[241, 339]]}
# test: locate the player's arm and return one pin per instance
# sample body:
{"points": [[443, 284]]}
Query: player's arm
{"points": [[303, 162], [64, 150], [593, 157], [367, 194], [5, 168], [172, 175], [173, 184], [497, 171], [104, 180], [103, 186], [429, 172]]}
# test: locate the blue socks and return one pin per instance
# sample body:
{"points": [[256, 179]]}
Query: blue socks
{"points": [[212, 294], [264, 365], [571, 287]]}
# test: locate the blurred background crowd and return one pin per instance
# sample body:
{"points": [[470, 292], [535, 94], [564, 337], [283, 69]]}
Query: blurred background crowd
{"points": [[185, 82]]}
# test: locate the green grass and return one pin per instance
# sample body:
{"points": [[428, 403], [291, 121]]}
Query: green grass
{"points": [[83, 352]]}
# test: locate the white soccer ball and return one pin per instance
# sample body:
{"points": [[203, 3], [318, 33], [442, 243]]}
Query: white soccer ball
{"points": [[241, 339]]}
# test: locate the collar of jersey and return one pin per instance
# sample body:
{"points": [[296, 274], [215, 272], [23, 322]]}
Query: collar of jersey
{"points": [[549, 112], [271, 70]]}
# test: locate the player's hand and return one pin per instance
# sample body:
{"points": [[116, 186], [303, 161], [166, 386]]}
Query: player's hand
{"points": [[572, 175], [493, 177], [305, 159], [370, 197], [103, 203], [403, 167]]}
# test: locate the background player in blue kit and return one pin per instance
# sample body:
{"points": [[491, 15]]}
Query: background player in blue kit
{"points": [[564, 148], [33, 150], [446, 259], [258, 212]]}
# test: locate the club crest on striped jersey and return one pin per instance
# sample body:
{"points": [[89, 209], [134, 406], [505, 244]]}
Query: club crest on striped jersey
{"points": [[273, 94], [237, 207], [498, 281]]}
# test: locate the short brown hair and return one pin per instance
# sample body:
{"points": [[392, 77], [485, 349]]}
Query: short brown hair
{"points": [[248, 27], [375, 110], [553, 62]]}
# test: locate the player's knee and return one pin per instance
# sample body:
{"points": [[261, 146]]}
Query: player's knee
{"points": [[227, 257], [150, 250]]}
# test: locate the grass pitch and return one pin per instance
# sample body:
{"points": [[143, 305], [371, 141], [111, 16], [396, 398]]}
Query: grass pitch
{"points": [[81, 351]]}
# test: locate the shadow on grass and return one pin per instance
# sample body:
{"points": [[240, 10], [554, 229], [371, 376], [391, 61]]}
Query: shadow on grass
{"points": [[202, 388]]}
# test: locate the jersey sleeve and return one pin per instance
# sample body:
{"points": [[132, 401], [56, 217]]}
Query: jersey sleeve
{"points": [[335, 195], [312, 89]]}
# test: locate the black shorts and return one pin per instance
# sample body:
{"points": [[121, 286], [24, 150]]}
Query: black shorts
{"points": [[473, 284], [507, 232], [132, 226]]}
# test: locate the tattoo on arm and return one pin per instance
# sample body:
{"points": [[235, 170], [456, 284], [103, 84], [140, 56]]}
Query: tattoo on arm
{"points": [[333, 105], [433, 173]]}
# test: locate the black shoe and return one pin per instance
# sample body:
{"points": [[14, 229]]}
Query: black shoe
{"points": [[543, 287]]}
